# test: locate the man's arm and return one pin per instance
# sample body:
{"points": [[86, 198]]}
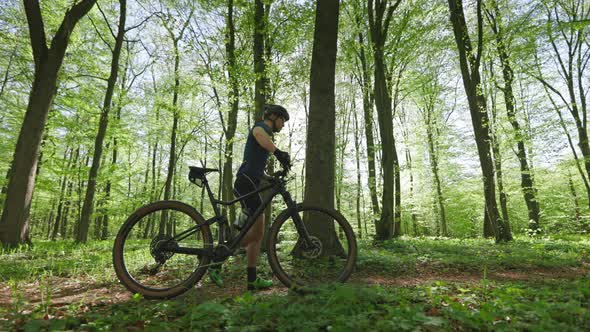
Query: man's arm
{"points": [[263, 139]]}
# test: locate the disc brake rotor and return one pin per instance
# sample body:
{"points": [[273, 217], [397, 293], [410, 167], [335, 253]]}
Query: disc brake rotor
{"points": [[159, 254], [315, 250]]}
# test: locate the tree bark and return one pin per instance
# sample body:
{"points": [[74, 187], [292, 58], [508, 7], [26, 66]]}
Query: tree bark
{"points": [[234, 100], [176, 118], [15, 215], [577, 213], [498, 160], [413, 212], [359, 191], [259, 66], [368, 115], [68, 198], [470, 63], [379, 20], [432, 125], [321, 131], [341, 148], [62, 192], [433, 154], [102, 127], [527, 182]]}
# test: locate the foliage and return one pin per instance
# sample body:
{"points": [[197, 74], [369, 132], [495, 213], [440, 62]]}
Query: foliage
{"points": [[483, 302]]}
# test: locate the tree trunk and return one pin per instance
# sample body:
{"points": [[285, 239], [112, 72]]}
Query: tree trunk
{"points": [[397, 209], [577, 213], [261, 87], [433, 154], [50, 219], [259, 66], [176, 118], [80, 199], [68, 198], [7, 72], [105, 222], [359, 191], [379, 25], [60, 204], [234, 100], [413, 212], [498, 163], [368, 115], [470, 63], [321, 131], [527, 182], [102, 128], [341, 148]]}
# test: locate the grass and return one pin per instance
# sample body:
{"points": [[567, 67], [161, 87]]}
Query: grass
{"points": [[528, 302], [405, 256], [64, 259]]}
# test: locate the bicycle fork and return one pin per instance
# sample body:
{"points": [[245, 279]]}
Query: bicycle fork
{"points": [[299, 225]]}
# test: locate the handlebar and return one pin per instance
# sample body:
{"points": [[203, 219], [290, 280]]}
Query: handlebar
{"points": [[279, 174]]}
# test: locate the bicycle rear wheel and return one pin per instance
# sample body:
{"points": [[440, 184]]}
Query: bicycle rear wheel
{"points": [[144, 267], [331, 258]]}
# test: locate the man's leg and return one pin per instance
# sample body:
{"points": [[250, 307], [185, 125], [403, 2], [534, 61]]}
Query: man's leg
{"points": [[253, 240]]}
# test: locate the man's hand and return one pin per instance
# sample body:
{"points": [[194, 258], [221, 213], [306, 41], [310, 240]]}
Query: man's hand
{"points": [[284, 158]]}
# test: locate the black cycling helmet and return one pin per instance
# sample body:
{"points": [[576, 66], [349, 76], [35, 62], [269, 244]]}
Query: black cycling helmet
{"points": [[279, 110]]}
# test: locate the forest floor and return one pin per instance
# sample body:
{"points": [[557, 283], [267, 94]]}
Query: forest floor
{"points": [[407, 284]]}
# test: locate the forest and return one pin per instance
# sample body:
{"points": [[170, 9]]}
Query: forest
{"points": [[452, 136]]}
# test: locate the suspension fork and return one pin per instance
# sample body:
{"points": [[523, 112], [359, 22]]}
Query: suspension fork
{"points": [[299, 225]]}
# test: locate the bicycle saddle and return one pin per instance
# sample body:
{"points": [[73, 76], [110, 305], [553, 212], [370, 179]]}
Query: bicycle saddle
{"points": [[198, 173]]}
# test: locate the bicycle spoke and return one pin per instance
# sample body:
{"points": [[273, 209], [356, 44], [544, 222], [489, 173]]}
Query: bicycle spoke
{"points": [[147, 261], [328, 257]]}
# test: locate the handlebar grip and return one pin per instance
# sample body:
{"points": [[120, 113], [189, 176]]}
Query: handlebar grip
{"points": [[279, 173]]}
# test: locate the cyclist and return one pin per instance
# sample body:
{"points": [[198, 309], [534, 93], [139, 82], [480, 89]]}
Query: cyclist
{"points": [[259, 145]]}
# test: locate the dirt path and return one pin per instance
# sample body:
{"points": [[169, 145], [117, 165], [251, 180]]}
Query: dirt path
{"points": [[86, 292]]}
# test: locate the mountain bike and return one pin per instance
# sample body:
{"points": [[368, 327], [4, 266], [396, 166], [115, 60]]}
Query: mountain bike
{"points": [[164, 248]]}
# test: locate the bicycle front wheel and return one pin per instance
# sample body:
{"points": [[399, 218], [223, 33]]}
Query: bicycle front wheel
{"points": [[330, 257], [142, 263]]}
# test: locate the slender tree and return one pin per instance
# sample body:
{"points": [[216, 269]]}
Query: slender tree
{"points": [[234, 100], [470, 62], [428, 102], [88, 207], [495, 143], [571, 52], [259, 66], [527, 182], [368, 102], [175, 112], [380, 14]]}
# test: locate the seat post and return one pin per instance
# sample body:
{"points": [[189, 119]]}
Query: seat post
{"points": [[211, 197]]}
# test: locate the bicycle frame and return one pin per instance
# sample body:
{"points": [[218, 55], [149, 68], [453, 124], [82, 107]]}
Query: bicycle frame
{"points": [[226, 248]]}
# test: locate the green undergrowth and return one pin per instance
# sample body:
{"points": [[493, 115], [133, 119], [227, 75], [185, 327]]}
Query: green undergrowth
{"points": [[59, 258], [404, 256], [438, 306], [536, 304]]}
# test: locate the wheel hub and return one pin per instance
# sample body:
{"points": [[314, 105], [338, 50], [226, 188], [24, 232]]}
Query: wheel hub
{"points": [[315, 248], [156, 250]]}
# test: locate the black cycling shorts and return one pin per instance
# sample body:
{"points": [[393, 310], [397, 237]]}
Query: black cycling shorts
{"points": [[244, 185]]}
